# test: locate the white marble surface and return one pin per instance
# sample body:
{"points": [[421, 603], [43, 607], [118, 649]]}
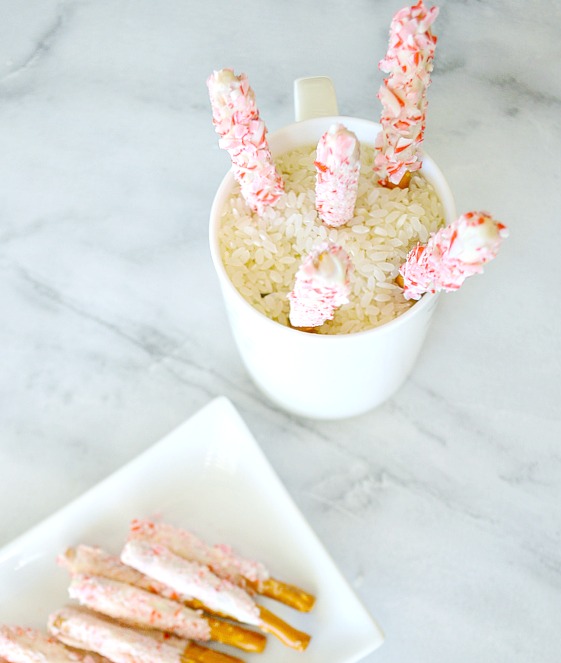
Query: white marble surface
{"points": [[443, 506]]}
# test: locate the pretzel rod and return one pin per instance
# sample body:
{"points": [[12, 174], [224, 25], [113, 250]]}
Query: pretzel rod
{"points": [[223, 562], [244, 135], [28, 645], [196, 580], [272, 624], [231, 634], [452, 254], [321, 286], [220, 558], [337, 171], [121, 644], [287, 634], [194, 652], [288, 594], [408, 63], [90, 560], [138, 607], [190, 579]]}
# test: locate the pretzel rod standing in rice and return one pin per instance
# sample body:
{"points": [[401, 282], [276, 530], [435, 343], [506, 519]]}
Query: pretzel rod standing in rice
{"points": [[20, 644], [322, 285], [452, 254], [408, 63], [196, 580], [121, 644], [244, 135], [223, 562], [338, 169], [94, 561]]}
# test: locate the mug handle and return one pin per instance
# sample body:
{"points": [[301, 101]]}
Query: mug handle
{"points": [[314, 97]]}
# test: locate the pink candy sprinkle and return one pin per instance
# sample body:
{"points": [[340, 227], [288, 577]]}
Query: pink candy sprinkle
{"points": [[243, 134], [322, 286], [408, 62], [338, 169], [452, 254]]}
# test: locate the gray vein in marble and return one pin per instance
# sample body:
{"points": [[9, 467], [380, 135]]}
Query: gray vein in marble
{"points": [[520, 89], [44, 44], [207, 371], [524, 475], [360, 492], [152, 342], [13, 234], [449, 65], [162, 349], [334, 504], [456, 411], [420, 426]]}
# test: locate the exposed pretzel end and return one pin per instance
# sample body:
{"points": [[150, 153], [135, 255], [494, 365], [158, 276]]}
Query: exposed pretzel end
{"points": [[287, 634], [196, 654], [290, 595], [236, 636], [402, 184]]}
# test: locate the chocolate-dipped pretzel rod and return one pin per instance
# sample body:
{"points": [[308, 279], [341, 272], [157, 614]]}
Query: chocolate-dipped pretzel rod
{"points": [[196, 580], [223, 562], [20, 644], [243, 134], [337, 172], [93, 561], [121, 644], [321, 286], [408, 63], [451, 255], [137, 607]]}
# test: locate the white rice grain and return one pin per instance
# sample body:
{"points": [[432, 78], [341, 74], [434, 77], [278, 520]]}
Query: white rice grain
{"points": [[262, 254]]}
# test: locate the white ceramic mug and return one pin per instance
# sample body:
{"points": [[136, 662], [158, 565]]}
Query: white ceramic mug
{"points": [[318, 375]]}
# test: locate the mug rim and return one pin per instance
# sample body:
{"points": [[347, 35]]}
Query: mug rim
{"points": [[228, 181]]}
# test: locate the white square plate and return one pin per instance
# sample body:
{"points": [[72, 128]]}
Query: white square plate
{"points": [[208, 475]]}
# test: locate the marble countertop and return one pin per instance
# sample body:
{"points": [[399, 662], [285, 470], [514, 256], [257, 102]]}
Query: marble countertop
{"points": [[442, 507]]}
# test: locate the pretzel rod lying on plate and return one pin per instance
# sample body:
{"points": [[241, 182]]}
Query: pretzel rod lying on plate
{"points": [[137, 607], [20, 644], [121, 644], [93, 561], [223, 562], [194, 579]]}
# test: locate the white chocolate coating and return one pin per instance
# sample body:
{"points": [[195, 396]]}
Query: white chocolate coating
{"points": [[408, 63], [338, 170], [27, 645], [243, 134], [94, 561], [191, 579], [453, 254], [321, 286], [119, 644], [220, 558], [138, 607]]}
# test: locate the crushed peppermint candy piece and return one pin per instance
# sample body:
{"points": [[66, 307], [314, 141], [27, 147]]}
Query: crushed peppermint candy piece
{"points": [[244, 136], [338, 169], [322, 286], [408, 63], [452, 254]]}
